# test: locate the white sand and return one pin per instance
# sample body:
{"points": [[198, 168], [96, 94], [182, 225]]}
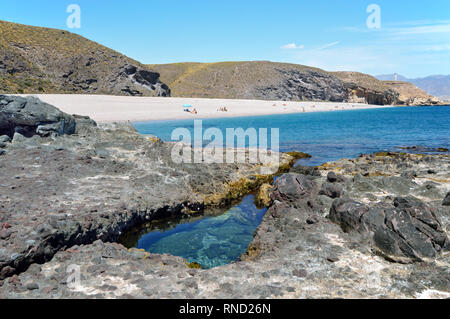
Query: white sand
{"points": [[106, 108]]}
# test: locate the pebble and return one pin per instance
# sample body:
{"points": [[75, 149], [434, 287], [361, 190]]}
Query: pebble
{"points": [[301, 273], [32, 286], [332, 259]]}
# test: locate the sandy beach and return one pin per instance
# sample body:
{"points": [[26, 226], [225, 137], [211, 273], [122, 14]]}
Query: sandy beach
{"points": [[106, 108]]}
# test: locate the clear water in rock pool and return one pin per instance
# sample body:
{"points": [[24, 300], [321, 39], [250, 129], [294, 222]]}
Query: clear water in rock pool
{"points": [[329, 136], [210, 241]]}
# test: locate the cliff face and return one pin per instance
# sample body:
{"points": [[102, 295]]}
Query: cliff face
{"points": [[41, 60], [363, 88], [252, 80], [409, 94]]}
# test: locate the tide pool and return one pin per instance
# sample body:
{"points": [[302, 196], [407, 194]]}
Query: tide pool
{"points": [[217, 240], [210, 241]]}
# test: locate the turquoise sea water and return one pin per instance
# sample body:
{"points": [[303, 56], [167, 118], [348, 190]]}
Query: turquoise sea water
{"points": [[328, 136]]}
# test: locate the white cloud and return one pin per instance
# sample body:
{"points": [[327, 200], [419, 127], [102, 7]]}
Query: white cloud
{"points": [[292, 46], [411, 48], [328, 45], [437, 28], [438, 48]]}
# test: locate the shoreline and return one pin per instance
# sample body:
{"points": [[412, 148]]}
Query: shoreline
{"points": [[108, 108]]}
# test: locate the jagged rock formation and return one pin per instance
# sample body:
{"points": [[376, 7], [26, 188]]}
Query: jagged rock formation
{"points": [[363, 88], [30, 116], [51, 183], [321, 237], [409, 94], [406, 230], [42, 60], [435, 85]]}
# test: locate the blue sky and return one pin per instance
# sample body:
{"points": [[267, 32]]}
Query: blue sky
{"points": [[414, 38]]}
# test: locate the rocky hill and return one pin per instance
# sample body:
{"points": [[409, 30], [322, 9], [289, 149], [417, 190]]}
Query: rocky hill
{"points": [[436, 85], [282, 81], [363, 88], [42, 60], [409, 94], [251, 80]]}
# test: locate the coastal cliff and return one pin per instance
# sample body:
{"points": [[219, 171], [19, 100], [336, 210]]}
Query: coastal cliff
{"points": [[409, 94], [363, 88]]}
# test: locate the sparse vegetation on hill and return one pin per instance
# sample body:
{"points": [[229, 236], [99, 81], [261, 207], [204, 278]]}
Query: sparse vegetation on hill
{"points": [[251, 80], [409, 94], [42, 60]]}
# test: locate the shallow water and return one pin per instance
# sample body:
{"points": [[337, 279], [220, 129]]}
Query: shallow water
{"points": [[210, 241], [327, 136]]}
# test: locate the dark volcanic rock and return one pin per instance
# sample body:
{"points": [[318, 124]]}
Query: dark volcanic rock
{"points": [[304, 85], [30, 116], [331, 190], [293, 187], [64, 190], [306, 170], [407, 230], [296, 252], [145, 78], [332, 177], [63, 197], [348, 213]]}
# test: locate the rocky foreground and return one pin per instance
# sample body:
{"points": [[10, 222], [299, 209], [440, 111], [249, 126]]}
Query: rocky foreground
{"points": [[372, 227]]}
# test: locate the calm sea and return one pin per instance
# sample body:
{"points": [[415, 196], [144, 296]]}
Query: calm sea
{"points": [[329, 136]]}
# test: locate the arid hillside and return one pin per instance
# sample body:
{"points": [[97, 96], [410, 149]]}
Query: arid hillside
{"points": [[42, 60], [409, 94], [251, 80]]}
